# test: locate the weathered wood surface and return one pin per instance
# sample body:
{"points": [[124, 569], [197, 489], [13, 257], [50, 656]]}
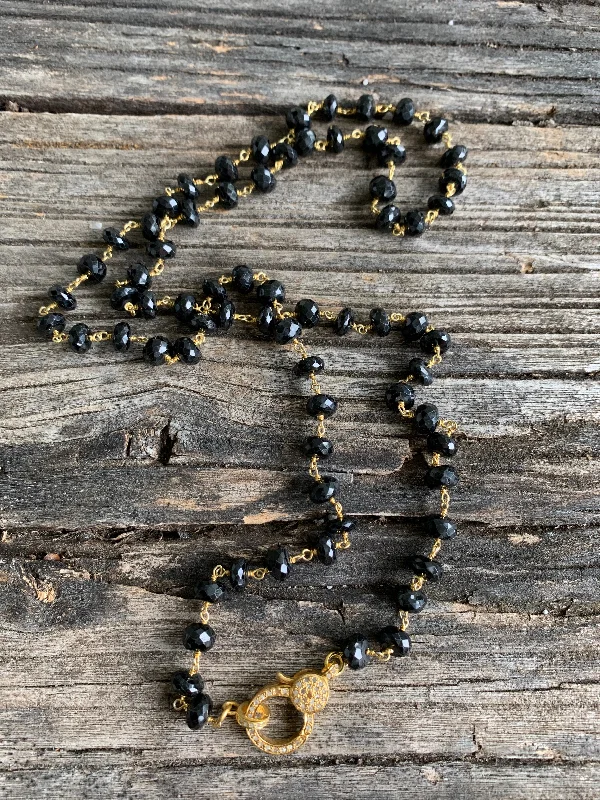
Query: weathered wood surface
{"points": [[139, 479]]}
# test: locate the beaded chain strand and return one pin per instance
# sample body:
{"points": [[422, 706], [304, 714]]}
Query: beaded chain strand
{"points": [[308, 690]]}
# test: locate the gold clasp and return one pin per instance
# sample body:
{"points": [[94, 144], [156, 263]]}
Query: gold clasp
{"points": [[307, 691]]}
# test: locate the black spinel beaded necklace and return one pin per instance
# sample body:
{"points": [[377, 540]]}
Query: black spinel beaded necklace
{"points": [[214, 311]]}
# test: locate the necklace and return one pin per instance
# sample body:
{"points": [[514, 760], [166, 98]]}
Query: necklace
{"points": [[308, 690]]}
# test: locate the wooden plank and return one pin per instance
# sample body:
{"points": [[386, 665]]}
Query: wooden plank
{"points": [[504, 61]]}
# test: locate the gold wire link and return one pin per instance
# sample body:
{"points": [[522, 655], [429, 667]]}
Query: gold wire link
{"points": [[447, 139], [313, 107], [374, 206], [451, 190], [261, 277], [140, 339], [321, 427], [405, 412], [404, 620], [100, 336], [208, 204], [462, 168], [346, 112], [448, 426], [225, 279], [398, 230], [205, 306], [437, 546], [299, 348], [199, 338], [244, 155], [129, 226], [392, 170], [417, 582], [444, 501], [246, 190], [77, 282], [108, 253], [130, 308], [435, 459], [356, 134], [259, 574], [383, 108], [395, 317], [330, 315], [321, 145], [339, 509], [58, 336], [315, 385], [196, 663], [219, 572], [436, 358], [118, 284], [394, 140], [313, 468], [381, 655], [179, 704], [277, 166], [245, 318], [43, 310], [158, 268], [334, 664], [228, 709], [204, 612], [422, 116], [165, 302], [431, 216], [359, 328], [306, 555], [171, 359]]}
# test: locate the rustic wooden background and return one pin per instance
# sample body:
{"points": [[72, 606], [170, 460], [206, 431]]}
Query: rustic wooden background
{"points": [[121, 484]]}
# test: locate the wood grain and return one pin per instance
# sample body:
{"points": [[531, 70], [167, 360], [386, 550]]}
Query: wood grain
{"points": [[121, 485]]}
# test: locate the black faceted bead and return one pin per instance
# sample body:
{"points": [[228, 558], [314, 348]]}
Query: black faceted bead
{"points": [[365, 107], [242, 279], [444, 475], [286, 153], [326, 550], [214, 289], [355, 652], [380, 321], [184, 306], [199, 636], [51, 322], [156, 349], [226, 194], [187, 186], [260, 148], [454, 156], [335, 139], [442, 443], [202, 322], [453, 176], [435, 129], [427, 567], [405, 112], [420, 371], [375, 138], [435, 338], [270, 292], [263, 179], [414, 223], [344, 321], [309, 364], [266, 320], [121, 337], [123, 295], [337, 526], [322, 491], [147, 305], [304, 142], [62, 298], [150, 227], [318, 446], [330, 107], [440, 528], [79, 338], [391, 152], [189, 213], [139, 277], [187, 685], [388, 217], [321, 404], [397, 639], [410, 600], [426, 418], [397, 393], [93, 267], [441, 203], [187, 350], [165, 206], [238, 574], [225, 315], [115, 238], [307, 313], [286, 330], [161, 249], [297, 119], [382, 188], [414, 326], [198, 711], [278, 562], [225, 169], [211, 592]]}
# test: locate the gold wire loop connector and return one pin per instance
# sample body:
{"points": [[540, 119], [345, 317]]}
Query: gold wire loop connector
{"points": [[130, 308], [435, 549], [431, 216], [381, 655], [165, 302], [228, 709], [360, 328], [313, 107], [58, 336], [404, 620], [225, 279], [449, 426], [451, 190], [77, 282], [435, 460], [43, 310], [108, 253], [417, 583], [398, 230], [100, 336], [422, 116], [259, 573], [404, 411], [196, 663], [260, 277], [158, 268], [444, 501], [383, 108], [219, 572], [204, 612], [334, 664], [321, 145], [447, 139], [346, 112], [306, 555], [129, 226], [397, 317]]}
